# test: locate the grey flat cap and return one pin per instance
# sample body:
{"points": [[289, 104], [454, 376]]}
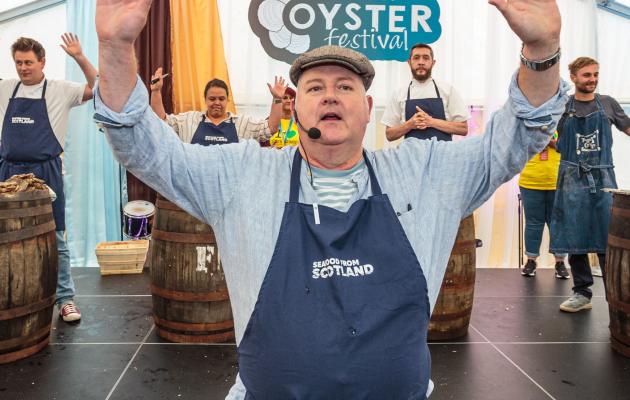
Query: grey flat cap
{"points": [[335, 55]]}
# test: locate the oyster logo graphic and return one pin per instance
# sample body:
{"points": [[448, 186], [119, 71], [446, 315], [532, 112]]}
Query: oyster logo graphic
{"points": [[380, 29]]}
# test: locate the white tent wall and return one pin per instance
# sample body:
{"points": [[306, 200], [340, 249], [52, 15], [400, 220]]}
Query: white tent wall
{"points": [[46, 25], [477, 53]]}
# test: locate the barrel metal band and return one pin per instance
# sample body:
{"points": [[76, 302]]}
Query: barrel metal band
{"points": [[26, 212], [621, 212], [167, 205], [194, 327], [24, 196], [29, 351], [179, 338], [464, 246], [618, 242], [17, 312], [177, 295], [625, 307], [176, 237], [621, 338], [449, 316], [27, 233], [451, 285], [14, 342]]}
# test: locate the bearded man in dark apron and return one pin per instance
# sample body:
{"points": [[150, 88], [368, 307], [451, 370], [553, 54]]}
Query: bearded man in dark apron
{"points": [[425, 109], [581, 209], [332, 285]]}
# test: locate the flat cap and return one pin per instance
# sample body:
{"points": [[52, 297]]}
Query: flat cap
{"points": [[334, 55]]}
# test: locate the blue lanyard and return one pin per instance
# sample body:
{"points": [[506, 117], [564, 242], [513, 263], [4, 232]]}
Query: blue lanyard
{"points": [[284, 136]]}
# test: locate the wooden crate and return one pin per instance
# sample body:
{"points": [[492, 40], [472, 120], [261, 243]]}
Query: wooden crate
{"points": [[122, 257]]}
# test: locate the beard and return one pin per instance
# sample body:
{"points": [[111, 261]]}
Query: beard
{"points": [[585, 88], [422, 75]]}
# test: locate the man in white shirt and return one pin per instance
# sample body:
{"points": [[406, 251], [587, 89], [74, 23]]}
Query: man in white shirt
{"points": [[425, 108], [34, 111]]}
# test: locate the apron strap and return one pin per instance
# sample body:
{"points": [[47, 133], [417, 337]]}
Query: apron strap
{"points": [[376, 188], [437, 92], [297, 168], [295, 177], [15, 90], [43, 90]]}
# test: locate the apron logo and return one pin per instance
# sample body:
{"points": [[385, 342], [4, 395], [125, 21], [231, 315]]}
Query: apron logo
{"points": [[22, 120], [215, 139], [331, 267], [587, 143], [380, 29]]}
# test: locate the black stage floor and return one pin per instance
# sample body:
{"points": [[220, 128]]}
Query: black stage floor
{"points": [[519, 346]]}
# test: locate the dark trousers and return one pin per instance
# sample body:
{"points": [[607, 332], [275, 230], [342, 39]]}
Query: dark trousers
{"points": [[581, 271]]}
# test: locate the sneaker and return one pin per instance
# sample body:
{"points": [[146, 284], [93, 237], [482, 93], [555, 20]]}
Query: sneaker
{"points": [[576, 303], [561, 271], [529, 269], [596, 271], [69, 312]]}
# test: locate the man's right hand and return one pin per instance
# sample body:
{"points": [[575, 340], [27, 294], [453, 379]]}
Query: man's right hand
{"points": [[159, 82], [417, 121], [120, 21]]}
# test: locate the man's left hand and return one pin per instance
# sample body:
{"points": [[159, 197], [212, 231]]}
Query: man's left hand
{"points": [[278, 88], [71, 45], [535, 22]]}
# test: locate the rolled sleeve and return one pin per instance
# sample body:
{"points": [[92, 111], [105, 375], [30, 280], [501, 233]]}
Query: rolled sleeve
{"points": [[544, 117], [132, 112]]}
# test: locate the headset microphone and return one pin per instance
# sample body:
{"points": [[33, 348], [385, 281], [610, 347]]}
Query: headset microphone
{"points": [[313, 133]]}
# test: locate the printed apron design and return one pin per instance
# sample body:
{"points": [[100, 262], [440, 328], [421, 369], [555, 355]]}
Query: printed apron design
{"points": [[209, 134], [433, 107], [581, 211], [29, 145], [342, 316]]}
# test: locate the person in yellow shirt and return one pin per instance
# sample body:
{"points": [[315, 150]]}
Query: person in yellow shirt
{"points": [[287, 133], [538, 189]]}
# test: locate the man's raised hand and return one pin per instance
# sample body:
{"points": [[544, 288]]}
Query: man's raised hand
{"points": [[120, 21]]}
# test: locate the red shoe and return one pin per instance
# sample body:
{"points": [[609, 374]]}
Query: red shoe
{"points": [[69, 312]]}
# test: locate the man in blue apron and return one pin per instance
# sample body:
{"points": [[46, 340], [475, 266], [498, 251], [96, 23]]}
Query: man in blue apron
{"points": [[581, 209], [332, 285], [216, 125], [34, 113], [424, 108]]}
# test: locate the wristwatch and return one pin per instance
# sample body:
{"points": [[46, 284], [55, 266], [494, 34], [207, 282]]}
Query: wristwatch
{"points": [[540, 65], [277, 100]]}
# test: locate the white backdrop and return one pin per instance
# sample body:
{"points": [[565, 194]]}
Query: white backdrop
{"points": [[477, 54]]}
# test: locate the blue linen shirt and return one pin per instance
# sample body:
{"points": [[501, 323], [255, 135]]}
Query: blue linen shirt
{"points": [[240, 189]]}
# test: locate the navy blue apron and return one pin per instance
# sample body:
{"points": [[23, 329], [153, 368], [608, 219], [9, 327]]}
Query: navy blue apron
{"points": [[208, 133], [342, 315], [433, 107], [29, 145], [581, 213]]}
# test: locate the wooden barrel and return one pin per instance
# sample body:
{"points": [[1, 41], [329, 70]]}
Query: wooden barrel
{"points": [[617, 273], [190, 297], [28, 273], [451, 314]]}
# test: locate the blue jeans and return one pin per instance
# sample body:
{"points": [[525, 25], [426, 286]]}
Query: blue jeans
{"points": [[537, 205], [65, 285]]}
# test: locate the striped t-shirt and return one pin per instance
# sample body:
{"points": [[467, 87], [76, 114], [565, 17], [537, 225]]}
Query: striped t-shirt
{"points": [[335, 188]]}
